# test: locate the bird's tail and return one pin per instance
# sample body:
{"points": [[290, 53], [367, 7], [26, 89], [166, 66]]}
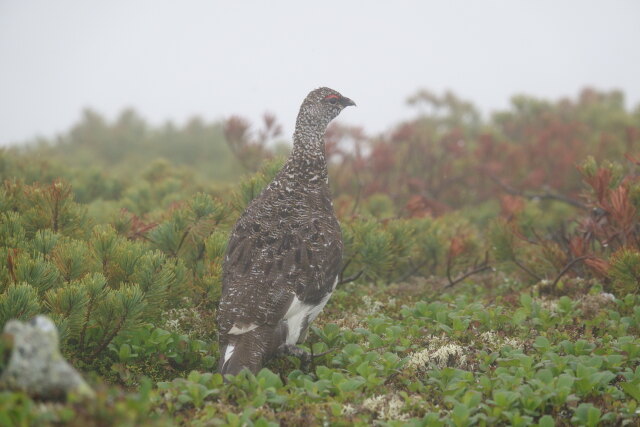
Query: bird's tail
{"points": [[250, 350]]}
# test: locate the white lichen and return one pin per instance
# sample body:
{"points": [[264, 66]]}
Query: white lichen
{"points": [[591, 304], [386, 407], [349, 322], [370, 306], [495, 342], [357, 318], [348, 410], [548, 304], [608, 296], [186, 320], [439, 353]]}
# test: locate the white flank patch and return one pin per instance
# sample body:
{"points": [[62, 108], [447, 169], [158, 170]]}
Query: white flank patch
{"points": [[316, 309], [294, 317], [228, 352], [235, 330], [298, 312]]}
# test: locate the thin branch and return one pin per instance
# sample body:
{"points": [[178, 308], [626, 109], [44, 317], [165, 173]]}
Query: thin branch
{"points": [[477, 269], [568, 267], [351, 278], [449, 264], [464, 276], [184, 237], [344, 267], [391, 377], [107, 338], [413, 271], [356, 204], [87, 316], [546, 195], [526, 270]]}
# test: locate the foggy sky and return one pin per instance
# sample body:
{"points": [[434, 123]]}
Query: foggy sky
{"points": [[175, 59]]}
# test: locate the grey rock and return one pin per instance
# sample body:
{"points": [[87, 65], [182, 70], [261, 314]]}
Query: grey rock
{"points": [[36, 365]]}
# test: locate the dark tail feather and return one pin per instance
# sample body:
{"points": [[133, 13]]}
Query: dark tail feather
{"points": [[250, 350], [239, 354]]}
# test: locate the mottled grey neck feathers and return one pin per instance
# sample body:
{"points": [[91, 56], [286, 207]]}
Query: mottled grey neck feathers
{"points": [[307, 160]]}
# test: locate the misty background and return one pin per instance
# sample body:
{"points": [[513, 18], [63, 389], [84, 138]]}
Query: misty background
{"points": [[173, 60]]}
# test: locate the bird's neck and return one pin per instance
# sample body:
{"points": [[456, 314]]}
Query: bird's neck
{"points": [[307, 160]]}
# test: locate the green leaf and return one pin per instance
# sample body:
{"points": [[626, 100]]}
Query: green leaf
{"points": [[351, 384], [124, 353], [587, 414], [542, 343], [632, 389], [268, 379], [546, 421], [460, 415], [526, 301]]}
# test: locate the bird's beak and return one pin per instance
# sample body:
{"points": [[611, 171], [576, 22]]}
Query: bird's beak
{"points": [[345, 102]]}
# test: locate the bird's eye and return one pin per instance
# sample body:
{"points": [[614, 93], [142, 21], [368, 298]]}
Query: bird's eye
{"points": [[332, 99]]}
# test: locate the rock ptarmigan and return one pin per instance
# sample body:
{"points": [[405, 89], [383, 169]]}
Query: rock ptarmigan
{"points": [[285, 252]]}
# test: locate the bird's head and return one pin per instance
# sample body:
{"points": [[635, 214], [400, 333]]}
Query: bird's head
{"points": [[323, 105]]}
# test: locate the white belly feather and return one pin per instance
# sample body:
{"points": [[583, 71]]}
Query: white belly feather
{"points": [[300, 313]]}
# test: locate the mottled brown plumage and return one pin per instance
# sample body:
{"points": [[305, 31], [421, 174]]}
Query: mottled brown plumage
{"points": [[285, 251]]}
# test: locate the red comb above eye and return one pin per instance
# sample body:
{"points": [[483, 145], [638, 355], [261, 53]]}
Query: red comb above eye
{"points": [[331, 96]]}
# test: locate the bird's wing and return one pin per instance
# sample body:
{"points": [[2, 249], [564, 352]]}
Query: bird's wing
{"points": [[254, 290], [268, 262]]}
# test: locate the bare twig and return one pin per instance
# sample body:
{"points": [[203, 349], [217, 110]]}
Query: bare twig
{"points": [[414, 270], [477, 268], [344, 267], [528, 195], [107, 338], [526, 270], [356, 204], [449, 265], [464, 276], [351, 278], [568, 267]]}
